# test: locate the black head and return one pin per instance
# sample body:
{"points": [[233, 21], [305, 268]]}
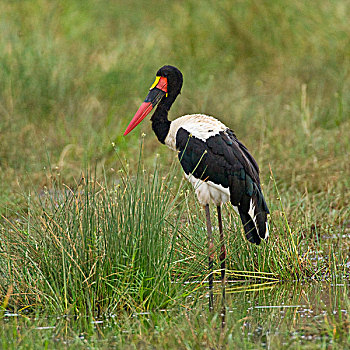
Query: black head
{"points": [[174, 78], [163, 92]]}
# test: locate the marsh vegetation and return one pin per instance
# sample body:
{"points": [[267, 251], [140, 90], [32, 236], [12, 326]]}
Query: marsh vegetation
{"points": [[102, 242]]}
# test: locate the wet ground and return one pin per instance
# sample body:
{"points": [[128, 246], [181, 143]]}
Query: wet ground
{"points": [[315, 315], [302, 313]]}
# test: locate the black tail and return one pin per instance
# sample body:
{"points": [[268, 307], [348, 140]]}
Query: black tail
{"points": [[253, 212]]}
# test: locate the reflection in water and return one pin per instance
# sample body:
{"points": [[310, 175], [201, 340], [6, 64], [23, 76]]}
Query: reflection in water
{"points": [[306, 311], [254, 316], [223, 305]]}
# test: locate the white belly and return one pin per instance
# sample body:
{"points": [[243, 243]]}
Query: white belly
{"points": [[202, 127], [209, 192]]}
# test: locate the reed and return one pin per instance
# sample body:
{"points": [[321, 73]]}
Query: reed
{"points": [[95, 249], [137, 245], [129, 237]]}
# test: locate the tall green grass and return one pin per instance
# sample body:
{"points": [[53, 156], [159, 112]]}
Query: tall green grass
{"points": [[138, 244], [95, 249], [281, 317], [72, 75], [126, 237], [294, 252]]}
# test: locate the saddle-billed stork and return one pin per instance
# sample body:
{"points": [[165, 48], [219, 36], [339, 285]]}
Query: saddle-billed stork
{"points": [[218, 165]]}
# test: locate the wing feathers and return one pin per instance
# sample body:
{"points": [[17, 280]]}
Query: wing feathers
{"points": [[224, 160]]}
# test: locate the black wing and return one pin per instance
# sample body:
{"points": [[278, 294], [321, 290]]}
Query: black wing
{"points": [[225, 161]]}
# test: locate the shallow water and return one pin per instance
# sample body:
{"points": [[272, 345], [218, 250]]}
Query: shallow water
{"points": [[263, 315], [305, 312]]}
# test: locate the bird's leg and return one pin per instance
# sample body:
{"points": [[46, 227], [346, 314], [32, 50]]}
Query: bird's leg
{"points": [[210, 255], [223, 267], [223, 249]]}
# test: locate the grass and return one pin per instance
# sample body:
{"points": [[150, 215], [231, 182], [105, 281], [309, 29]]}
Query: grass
{"points": [[318, 318], [98, 249], [74, 198], [94, 250]]}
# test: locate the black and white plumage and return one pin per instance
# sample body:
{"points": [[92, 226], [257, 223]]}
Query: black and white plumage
{"points": [[219, 167]]}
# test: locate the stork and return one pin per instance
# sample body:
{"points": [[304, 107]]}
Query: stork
{"points": [[219, 167]]}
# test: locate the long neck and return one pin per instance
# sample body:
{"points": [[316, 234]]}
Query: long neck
{"points": [[160, 121]]}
